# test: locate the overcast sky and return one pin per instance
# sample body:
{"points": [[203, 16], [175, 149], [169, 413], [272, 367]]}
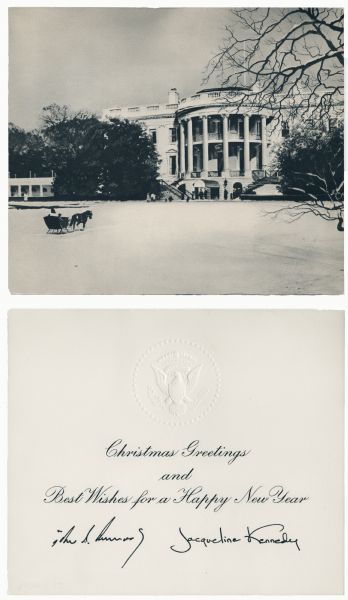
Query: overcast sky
{"points": [[94, 58]]}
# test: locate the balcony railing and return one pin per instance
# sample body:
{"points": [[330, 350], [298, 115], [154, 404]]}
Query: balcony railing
{"points": [[232, 135], [142, 110], [215, 136], [258, 174], [236, 173], [236, 135], [232, 173]]}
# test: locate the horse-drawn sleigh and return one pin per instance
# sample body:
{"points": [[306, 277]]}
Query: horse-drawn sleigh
{"points": [[59, 224]]}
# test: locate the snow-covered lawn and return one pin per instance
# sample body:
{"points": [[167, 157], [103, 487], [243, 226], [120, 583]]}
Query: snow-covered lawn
{"points": [[175, 248]]}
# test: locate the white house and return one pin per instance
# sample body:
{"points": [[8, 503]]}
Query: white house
{"points": [[207, 141]]}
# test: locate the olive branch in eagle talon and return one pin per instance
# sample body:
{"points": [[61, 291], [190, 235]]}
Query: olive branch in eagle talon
{"points": [[177, 387]]}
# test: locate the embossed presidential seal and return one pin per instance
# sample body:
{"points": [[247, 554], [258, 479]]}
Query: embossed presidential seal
{"points": [[176, 382]]}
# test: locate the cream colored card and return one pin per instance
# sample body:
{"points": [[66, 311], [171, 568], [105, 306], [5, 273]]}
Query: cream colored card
{"points": [[176, 452]]}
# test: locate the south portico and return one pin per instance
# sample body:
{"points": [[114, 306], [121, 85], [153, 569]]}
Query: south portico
{"points": [[223, 146], [212, 136]]}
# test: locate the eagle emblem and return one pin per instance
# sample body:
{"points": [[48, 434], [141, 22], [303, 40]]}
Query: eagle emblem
{"points": [[176, 382], [176, 386]]}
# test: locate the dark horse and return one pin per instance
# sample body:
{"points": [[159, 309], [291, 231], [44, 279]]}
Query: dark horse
{"points": [[80, 218]]}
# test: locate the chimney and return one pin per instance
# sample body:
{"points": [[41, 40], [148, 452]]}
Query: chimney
{"points": [[173, 96]]}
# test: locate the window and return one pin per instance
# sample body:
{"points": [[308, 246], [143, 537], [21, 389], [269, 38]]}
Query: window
{"points": [[172, 162], [172, 134], [197, 158], [258, 127], [153, 135], [233, 124], [215, 126], [197, 127]]}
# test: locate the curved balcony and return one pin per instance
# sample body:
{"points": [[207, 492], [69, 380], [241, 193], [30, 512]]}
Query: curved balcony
{"points": [[216, 135], [233, 136], [211, 97], [222, 99]]}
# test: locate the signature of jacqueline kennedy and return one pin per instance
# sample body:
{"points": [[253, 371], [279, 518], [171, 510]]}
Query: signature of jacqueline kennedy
{"points": [[275, 534]]}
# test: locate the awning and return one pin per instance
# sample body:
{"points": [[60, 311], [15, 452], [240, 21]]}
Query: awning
{"points": [[199, 184]]}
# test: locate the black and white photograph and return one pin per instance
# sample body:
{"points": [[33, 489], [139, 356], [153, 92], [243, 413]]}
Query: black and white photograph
{"points": [[172, 300], [176, 151]]}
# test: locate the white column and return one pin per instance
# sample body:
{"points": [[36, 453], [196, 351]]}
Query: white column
{"points": [[182, 148], [19, 190], [264, 156], [205, 147], [189, 147], [247, 172], [30, 191], [239, 160], [225, 172], [41, 191]]}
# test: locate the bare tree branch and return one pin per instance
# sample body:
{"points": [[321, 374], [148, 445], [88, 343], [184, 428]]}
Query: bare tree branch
{"points": [[289, 60]]}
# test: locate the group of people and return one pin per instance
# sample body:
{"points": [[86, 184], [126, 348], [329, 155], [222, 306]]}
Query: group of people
{"points": [[152, 198], [53, 213], [203, 194]]}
